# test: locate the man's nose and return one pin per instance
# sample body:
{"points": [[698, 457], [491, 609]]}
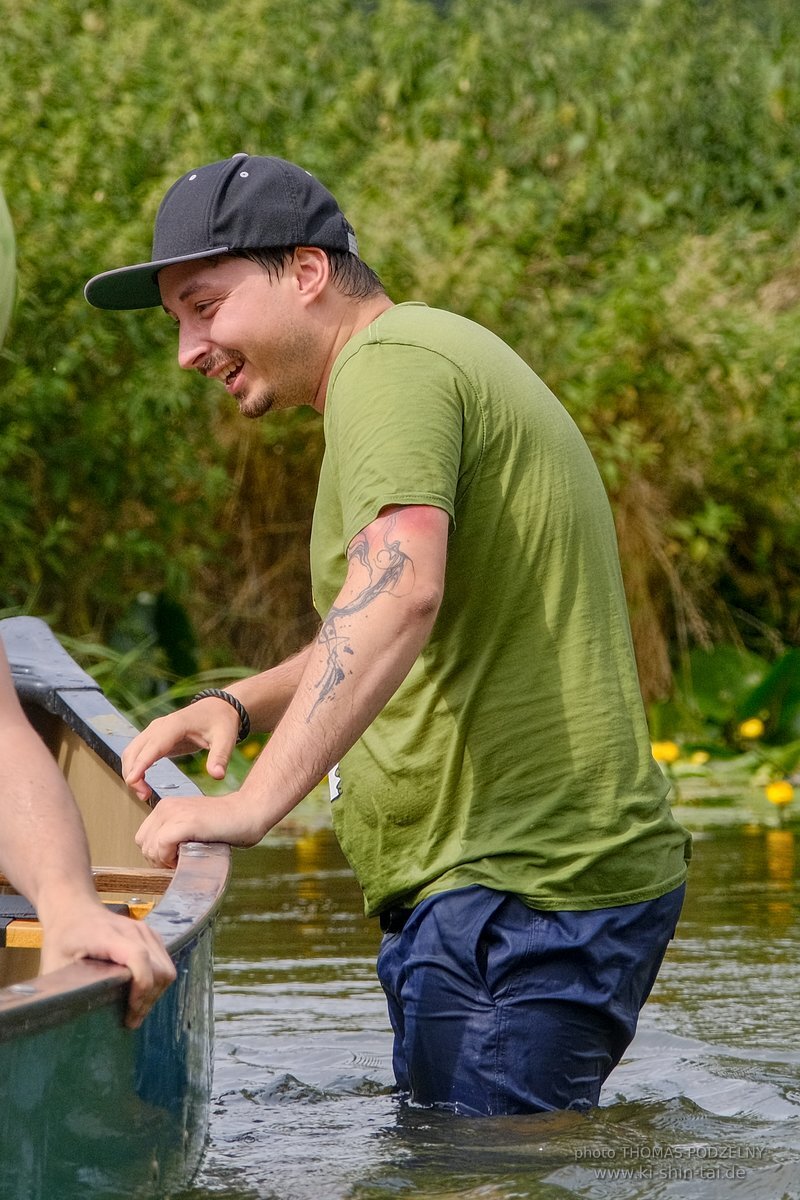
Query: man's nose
{"points": [[192, 348]]}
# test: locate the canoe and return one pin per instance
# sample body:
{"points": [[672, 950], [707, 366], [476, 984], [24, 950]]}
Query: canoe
{"points": [[89, 1107]]}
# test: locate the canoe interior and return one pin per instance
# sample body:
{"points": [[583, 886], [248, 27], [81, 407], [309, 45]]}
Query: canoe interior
{"points": [[111, 816], [111, 812]]}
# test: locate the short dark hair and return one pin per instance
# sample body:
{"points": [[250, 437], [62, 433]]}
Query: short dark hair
{"points": [[350, 275]]}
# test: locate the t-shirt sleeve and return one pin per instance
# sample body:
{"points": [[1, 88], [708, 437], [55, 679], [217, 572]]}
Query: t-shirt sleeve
{"points": [[394, 430]]}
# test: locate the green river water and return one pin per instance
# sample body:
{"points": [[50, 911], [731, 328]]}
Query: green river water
{"points": [[706, 1103]]}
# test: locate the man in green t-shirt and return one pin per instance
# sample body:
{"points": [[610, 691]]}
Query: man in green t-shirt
{"points": [[472, 691]]}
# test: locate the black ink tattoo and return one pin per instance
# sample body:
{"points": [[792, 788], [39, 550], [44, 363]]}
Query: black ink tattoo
{"points": [[384, 573]]}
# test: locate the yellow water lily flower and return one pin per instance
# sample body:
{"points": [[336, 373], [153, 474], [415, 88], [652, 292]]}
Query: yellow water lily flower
{"points": [[666, 752], [752, 728], [780, 792], [700, 757], [251, 749]]}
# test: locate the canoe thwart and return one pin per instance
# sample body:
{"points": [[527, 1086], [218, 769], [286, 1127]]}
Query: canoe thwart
{"points": [[20, 927], [12, 910]]}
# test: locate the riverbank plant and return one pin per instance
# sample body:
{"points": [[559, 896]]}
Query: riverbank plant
{"points": [[732, 730]]}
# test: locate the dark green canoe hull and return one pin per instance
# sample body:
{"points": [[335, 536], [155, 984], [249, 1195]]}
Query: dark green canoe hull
{"points": [[91, 1110]]}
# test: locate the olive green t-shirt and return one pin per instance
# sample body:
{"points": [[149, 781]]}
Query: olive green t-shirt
{"points": [[516, 753]]}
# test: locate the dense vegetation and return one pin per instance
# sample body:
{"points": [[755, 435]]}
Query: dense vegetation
{"points": [[612, 187]]}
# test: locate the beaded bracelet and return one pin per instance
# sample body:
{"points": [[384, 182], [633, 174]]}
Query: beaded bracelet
{"points": [[244, 718]]}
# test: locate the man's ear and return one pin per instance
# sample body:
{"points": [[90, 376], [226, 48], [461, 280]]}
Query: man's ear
{"points": [[312, 271]]}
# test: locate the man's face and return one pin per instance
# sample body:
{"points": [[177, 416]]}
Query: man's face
{"points": [[249, 331]]}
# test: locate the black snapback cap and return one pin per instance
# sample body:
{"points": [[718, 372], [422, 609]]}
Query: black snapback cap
{"points": [[247, 202]]}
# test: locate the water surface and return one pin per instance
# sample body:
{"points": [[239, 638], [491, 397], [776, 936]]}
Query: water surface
{"points": [[706, 1103]]}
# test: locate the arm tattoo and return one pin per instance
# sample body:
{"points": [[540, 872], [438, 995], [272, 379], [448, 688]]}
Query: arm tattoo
{"points": [[383, 574]]}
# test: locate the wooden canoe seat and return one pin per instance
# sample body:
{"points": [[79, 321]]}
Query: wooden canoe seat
{"points": [[142, 880], [152, 880]]}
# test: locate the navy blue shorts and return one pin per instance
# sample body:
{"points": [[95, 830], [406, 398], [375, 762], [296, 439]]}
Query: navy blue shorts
{"points": [[499, 1008]]}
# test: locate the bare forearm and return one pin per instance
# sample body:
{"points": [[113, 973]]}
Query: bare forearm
{"points": [[372, 635], [367, 645], [43, 847], [266, 696], [212, 724], [321, 725]]}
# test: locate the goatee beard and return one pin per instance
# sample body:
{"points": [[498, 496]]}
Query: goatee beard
{"points": [[257, 406]]}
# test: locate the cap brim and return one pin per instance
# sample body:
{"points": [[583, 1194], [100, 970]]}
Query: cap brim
{"points": [[136, 286]]}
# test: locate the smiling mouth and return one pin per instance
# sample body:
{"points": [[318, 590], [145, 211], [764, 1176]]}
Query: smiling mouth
{"points": [[225, 368], [229, 373], [232, 376]]}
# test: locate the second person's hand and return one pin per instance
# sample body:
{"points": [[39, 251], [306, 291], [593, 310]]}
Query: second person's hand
{"points": [[83, 928]]}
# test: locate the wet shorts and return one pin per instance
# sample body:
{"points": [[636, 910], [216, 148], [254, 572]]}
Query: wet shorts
{"points": [[499, 1008]]}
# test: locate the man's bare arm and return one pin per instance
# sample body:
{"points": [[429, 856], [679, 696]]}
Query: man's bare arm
{"points": [[213, 724], [368, 642]]}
